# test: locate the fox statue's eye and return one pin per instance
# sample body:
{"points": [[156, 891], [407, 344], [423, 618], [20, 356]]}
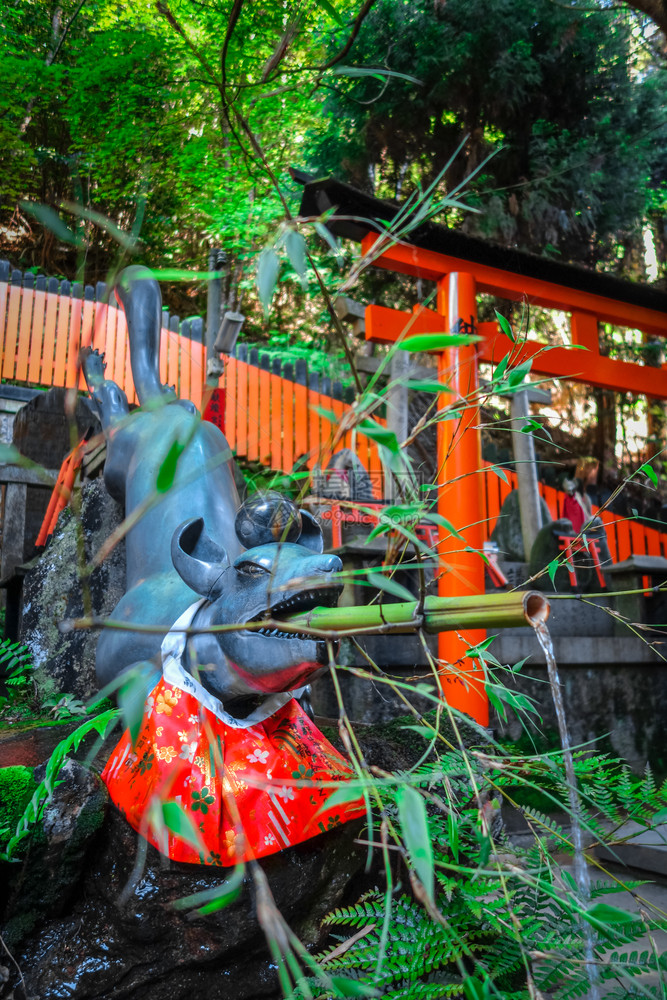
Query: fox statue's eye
{"points": [[252, 569]]}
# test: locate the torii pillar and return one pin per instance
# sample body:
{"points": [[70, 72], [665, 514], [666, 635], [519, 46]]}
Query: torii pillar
{"points": [[460, 566], [460, 484]]}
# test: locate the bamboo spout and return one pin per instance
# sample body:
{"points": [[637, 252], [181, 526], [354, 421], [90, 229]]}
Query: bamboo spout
{"points": [[439, 614]]}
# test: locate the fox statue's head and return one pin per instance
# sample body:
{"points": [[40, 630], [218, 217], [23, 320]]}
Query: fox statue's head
{"points": [[281, 571]]}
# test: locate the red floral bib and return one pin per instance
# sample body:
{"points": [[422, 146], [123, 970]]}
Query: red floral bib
{"points": [[250, 787]]}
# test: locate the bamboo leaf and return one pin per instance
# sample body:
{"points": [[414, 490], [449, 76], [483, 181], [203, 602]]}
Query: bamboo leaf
{"points": [[219, 896], [132, 697], [167, 470], [376, 432], [331, 11], [50, 219], [436, 341], [379, 72], [504, 325], [177, 821], [351, 988], [268, 268], [414, 827], [329, 238], [295, 245], [649, 471], [389, 585]]}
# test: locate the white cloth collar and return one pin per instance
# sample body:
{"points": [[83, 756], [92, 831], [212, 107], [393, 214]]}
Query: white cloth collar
{"points": [[174, 673]]}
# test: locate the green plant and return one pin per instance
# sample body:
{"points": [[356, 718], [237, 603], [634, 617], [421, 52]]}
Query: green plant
{"points": [[44, 791], [482, 917]]}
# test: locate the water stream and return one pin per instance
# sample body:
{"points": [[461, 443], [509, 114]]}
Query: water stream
{"points": [[580, 868]]}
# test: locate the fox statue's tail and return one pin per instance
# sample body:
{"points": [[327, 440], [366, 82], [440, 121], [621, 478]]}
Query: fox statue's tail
{"points": [[139, 294]]}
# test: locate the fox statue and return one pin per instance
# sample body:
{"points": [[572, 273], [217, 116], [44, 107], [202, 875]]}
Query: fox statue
{"points": [[197, 559]]}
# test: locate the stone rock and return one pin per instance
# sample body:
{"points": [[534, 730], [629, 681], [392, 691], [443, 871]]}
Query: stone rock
{"points": [[42, 885], [121, 937], [52, 593], [507, 532]]}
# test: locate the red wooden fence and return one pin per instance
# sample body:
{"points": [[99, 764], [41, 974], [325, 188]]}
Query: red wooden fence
{"points": [[625, 536], [268, 419]]}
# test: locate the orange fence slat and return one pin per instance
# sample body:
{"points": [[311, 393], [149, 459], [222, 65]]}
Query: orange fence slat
{"points": [[74, 340], [62, 339], [231, 398], [252, 446], [184, 385], [652, 542], [4, 292], [172, 360], [35, 360], [300, 423], [287, 392], [116, 359], [314, 444], [376, 472], [264, 417], [241, 408], [47, 374], [125, 374], [197, 374], [11, 332], [108, 346], [25, 335], [276, 422], [164, 348]]}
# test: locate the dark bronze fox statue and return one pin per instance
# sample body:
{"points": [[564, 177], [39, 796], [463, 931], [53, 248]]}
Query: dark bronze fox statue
{"points": [[192, 541]]}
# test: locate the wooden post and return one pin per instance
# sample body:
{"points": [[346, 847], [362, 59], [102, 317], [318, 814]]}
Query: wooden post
{"points": [[460, 496]]}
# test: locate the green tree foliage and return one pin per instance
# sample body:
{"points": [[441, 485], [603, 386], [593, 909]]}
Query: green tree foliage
{"points": [[563, 96]]}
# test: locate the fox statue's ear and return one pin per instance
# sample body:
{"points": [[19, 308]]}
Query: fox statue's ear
{"points": [[311, 533], [198, 560]]}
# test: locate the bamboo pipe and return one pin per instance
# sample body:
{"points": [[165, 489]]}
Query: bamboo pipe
{"points": [[439, 614]]}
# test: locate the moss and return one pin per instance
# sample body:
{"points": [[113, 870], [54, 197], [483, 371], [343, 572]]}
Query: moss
{"points": [[17, 785]]}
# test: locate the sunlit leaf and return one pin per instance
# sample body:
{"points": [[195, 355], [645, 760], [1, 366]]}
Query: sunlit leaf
{"points": [[436, 341], [167, 470], [552, 569], [649, 471], [504, 325], [416, 836], [376, 432], [331, 11]]}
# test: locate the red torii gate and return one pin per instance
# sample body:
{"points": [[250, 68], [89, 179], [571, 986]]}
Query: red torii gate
{"points": [[463, 267]]}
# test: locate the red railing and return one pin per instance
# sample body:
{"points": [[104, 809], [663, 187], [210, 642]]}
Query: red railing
{"points": [[625, 536]]}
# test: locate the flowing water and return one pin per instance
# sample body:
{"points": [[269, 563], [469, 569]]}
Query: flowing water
{"points": [[580, 868]]}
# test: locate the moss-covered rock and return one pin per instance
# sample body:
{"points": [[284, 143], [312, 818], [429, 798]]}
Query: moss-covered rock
{"points": [[17, 785]]}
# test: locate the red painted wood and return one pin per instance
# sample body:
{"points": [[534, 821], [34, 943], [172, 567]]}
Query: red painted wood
{"points": [[11, 332], [264, 417], [37, 348], [48, 351]]}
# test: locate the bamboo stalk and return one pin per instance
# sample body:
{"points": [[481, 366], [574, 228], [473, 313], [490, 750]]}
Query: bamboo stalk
{"points": [[439, 614]]}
